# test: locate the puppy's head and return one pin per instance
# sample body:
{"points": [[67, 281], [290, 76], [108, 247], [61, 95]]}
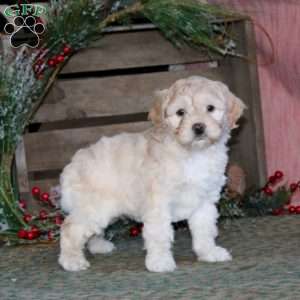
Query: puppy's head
{"points": [[198, 111]]}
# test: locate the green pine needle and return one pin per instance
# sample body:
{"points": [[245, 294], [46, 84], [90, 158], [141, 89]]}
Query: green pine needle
{"points": [[73, 22], [191, 22]]}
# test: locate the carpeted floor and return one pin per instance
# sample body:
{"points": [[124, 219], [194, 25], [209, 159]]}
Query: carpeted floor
{"points": [[266, 265]]}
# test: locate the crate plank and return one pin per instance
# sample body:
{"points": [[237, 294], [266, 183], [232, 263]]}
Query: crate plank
{"points": [[52, 150], [257, 114], [107, 96], [131, 50], [248, 143]]}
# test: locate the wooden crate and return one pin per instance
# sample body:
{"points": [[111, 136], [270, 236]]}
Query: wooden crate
{"points": [[108, 89]]}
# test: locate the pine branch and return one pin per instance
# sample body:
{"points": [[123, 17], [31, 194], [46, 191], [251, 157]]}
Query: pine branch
{"points": [[192, 23]]}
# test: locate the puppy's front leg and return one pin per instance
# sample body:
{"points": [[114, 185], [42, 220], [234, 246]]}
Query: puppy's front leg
{"points": [[158, 236], [204, 231]]}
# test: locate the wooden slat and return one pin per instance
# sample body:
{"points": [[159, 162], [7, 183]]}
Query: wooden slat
{"points": [[93, 97], [54, 149], [257, 115], [89, 122], [131, 49], [248, 146]]}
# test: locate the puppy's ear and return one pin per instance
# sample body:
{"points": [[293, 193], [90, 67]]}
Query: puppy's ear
{"points": [[235, 107], [235, 110], [157, 112]]}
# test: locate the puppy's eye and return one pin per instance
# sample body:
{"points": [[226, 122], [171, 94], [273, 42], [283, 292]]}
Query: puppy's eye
{"points": [[180, 112], [210, 108]]}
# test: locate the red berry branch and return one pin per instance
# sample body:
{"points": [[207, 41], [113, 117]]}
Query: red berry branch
{"points": [[43, 60], [268, 190], [45, 224]]}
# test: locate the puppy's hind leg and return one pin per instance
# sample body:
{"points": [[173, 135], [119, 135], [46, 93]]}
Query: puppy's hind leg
{"points": [[73, 237], [97, 244]]}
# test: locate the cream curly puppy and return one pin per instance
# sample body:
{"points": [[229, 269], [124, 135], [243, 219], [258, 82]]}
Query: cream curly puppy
{"points": [[173, 171]]}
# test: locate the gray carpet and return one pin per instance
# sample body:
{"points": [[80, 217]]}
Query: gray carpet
{"points": [[266, 265]]}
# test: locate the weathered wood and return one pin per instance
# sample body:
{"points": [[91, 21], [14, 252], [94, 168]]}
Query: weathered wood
{"points": [[93, 97], [131, 50], [247, 144], [257, 116], [52, 150]]}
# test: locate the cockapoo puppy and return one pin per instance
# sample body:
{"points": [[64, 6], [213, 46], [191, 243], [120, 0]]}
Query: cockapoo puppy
{"points": [[171, 172]]}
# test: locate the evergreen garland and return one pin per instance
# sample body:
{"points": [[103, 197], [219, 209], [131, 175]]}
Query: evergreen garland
{"points": [[75, 23], [187, 22]]}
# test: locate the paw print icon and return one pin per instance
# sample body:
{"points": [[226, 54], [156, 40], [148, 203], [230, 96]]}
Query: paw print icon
{"points": [[24, 31]]}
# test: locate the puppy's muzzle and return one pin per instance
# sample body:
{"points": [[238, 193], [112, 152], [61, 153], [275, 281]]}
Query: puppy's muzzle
{"points": [[199, 129]]}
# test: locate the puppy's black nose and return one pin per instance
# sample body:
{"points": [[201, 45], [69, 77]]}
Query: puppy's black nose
{"points": [[198, 128]]}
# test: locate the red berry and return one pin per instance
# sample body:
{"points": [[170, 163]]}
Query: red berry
{"points": [[50, 235], [43, 215], [22, 234], [35, 191], [51, 62], [292, 209], [272, 179], [268, 191], [22, 204], [31, 235], [58, 220], [298, 209], [298, 183], [27, 218], [293, 187], [134, 231], [35, 230], [67, 50], [278, 174], [59, 58], [45, 197]]}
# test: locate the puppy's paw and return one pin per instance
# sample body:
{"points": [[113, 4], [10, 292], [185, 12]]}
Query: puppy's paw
{"points": [[97, 245], [215, 254], [73, 263], [160, 263]]}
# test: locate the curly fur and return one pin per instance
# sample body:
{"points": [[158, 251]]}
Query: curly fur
{"points": [[165, 174]]}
